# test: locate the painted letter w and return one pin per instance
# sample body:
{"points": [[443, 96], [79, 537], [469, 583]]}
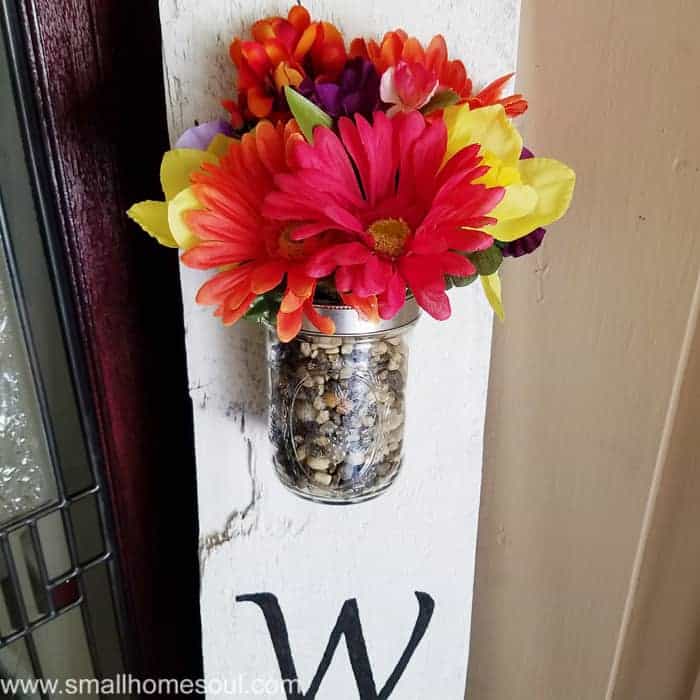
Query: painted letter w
{"points": [[348, 625]]}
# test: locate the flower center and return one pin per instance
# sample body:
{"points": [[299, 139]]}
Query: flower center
{"points": [[289, 249], [389, 236]]}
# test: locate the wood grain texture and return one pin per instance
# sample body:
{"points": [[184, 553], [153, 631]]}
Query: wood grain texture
{"points": [[255, 536], [96, 74], [582, 370]]}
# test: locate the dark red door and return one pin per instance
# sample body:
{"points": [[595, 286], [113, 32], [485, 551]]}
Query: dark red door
{"points": [[84, 93]]}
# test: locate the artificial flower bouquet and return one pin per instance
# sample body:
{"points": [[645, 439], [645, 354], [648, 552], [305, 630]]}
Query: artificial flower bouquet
{"points": [[351, 187]]}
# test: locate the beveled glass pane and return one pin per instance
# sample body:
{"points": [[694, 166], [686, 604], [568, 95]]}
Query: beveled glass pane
{"points": [[10, 618], [26, 479], [23, 233], [87, 527], [98, 594], [63, 650], [54, 544], [32, 586], [15, 664]]}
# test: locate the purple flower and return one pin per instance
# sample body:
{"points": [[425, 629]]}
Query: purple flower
{"points": [[199, 137], [525, 245], [355, 91], [533, 240]]}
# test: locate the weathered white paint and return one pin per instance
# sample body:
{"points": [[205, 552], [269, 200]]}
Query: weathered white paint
{"points": [[255, 537]]}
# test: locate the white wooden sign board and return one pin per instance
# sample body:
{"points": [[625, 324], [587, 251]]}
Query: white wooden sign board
{"points": [[255, 537]]}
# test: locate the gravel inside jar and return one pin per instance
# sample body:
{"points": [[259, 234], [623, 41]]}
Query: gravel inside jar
{"points": [[337, 413]]}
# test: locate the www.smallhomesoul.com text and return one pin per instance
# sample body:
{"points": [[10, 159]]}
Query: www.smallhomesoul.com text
{"points": [[126, 684]]}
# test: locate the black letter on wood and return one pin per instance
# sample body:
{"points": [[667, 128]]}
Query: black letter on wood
{"points": [[348, 625]]}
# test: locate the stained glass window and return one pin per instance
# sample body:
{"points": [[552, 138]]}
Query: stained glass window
{"points": [[59, 580], [26, 481]]}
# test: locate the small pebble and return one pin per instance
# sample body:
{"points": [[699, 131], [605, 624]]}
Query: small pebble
{"points": [[318, 463], [330, 398], [330, 342], [322, 478], [395, 380], [315, 450], [393, 421], [327, 428], [304, 412]]}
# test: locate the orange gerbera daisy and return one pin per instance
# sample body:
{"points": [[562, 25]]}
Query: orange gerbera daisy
{"points": [[399, 51], [283, 52], [253, 254]]}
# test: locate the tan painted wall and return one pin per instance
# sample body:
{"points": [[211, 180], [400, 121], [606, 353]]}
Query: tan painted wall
{"points": [[659, 645], [583, 371]]}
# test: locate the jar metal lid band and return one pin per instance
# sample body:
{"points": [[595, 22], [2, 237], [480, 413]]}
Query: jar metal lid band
{"points": [[348, 321]]}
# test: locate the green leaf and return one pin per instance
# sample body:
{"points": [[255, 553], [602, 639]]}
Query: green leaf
{"points": [[307, 114], [487, 261], [264, 309], [257, 309], [455, 281], [440, 100]]}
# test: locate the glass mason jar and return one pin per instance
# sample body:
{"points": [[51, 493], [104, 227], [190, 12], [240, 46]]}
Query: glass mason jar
{"points": [[337, 405]]}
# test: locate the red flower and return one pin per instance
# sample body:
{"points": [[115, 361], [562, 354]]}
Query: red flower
{"points": [[403, 223], [397, 47], [254, 254], [407, 87], [283, 52]]}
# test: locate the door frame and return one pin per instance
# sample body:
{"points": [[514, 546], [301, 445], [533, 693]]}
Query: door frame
{"points": [[88, 85]]}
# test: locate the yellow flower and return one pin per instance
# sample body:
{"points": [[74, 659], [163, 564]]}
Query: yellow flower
{"points": [[163, 220], [492, 289], [538, 190]]}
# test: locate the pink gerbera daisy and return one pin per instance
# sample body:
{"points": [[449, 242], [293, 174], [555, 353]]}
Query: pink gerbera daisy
{"points": [[406, 217]]}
